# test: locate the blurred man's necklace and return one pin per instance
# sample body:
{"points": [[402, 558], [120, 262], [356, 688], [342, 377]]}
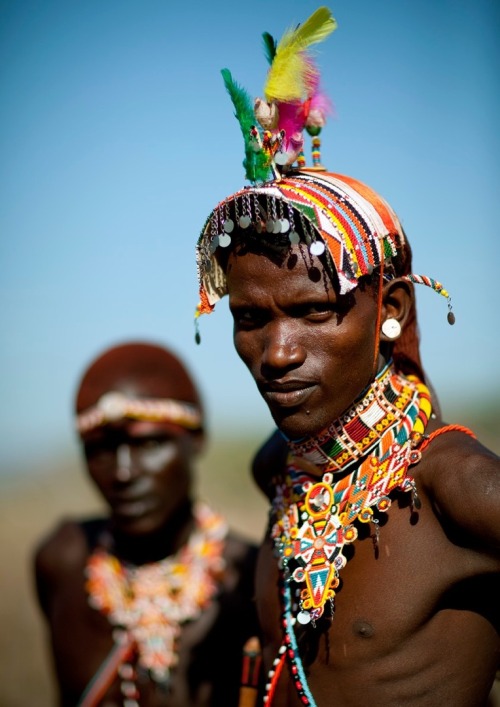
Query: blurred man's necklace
{"points": [[148, 604], [313, 515]]}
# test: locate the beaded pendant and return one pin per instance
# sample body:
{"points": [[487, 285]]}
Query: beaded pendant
{"points": [[151, 602]]}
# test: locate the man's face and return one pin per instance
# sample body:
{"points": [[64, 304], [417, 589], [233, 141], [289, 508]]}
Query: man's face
{"points": [[142, 469], [310, 351]]}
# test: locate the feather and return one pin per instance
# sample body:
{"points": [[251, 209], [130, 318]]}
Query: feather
{"points": [[317, 110], [269, 46], [255, 162], [292, 72], [291, 120]]}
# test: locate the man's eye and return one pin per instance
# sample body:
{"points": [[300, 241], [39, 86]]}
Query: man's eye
{"points": [[247, 318], [150, 443], [100, 456], [316, 310]]}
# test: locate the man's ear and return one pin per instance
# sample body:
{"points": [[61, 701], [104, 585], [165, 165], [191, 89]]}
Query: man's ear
{"points": [[197, 441], [397, 300]]}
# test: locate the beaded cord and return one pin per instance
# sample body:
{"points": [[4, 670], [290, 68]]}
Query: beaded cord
{"points": [[288, 649], [296, 666], [274, 675]]}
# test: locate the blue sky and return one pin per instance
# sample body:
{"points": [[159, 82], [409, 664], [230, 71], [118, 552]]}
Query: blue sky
{"points": [[117, 138]]}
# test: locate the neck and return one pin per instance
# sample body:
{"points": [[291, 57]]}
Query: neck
{"points": [[162, 542]]}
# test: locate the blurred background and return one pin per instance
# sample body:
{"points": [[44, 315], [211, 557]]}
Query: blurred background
{"points": [[117, 139]]}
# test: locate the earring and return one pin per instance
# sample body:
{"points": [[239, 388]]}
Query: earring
{"points": [[391, 328]]}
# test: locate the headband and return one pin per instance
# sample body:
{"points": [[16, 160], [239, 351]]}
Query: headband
{"points": [[115, 406]]}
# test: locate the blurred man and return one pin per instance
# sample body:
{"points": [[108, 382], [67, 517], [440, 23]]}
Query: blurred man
{"points": [[151, 604], [378, 580]]}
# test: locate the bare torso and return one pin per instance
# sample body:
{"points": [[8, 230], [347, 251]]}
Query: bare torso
{"points": [[415, 624], [209, 666]]}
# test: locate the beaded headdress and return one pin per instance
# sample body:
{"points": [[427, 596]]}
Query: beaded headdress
{"points": [[338, 218]]}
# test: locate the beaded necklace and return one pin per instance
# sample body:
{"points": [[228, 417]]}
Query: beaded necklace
{"points": [[314, 512], [147, 604]]}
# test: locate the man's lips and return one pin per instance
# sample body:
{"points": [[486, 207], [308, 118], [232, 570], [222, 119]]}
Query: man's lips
{"points": [[128, 505], [286, 394]]}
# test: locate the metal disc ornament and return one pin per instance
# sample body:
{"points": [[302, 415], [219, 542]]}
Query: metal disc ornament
{"points": [[317, 248], [285, 225], [229, 225], [304, 617], [281, 158], [294, 237], [224, 240], [214, 243], [270, 225], [245, 221]]}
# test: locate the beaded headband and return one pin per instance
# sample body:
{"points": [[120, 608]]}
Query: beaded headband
{"points": [[115, 406], [337, 217]]}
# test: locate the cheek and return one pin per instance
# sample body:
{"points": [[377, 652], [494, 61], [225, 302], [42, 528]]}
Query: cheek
{"points": [[247, 347], [357, 355], [100, 466], [158, 461]]}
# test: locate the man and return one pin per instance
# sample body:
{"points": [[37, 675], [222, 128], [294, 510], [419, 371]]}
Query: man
{"points": [[378, 581], [153, 603]]}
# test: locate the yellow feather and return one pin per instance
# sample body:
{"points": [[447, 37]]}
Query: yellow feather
{"points": [[290, 72]]}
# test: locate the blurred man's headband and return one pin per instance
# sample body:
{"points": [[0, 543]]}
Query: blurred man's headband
{"points": [[115, 406], [335, 216]]}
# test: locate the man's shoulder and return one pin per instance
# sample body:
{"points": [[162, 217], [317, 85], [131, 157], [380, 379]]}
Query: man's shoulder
{"points": [[454, 452], [462, 479], [63, 549], [239, 550], [268, 461]]}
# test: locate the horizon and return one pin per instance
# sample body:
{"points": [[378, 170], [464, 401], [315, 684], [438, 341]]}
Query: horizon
{"points": [[118, 139]]}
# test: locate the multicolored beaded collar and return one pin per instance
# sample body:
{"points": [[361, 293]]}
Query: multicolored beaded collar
{"points": [[390, 403], [319, 502], [147, 605]]}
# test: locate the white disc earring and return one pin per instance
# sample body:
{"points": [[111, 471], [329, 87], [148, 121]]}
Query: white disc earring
{"points": [[391, 328]]}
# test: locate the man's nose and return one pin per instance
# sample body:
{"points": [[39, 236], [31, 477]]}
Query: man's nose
{"points": [[282, 348], [123, 462]]}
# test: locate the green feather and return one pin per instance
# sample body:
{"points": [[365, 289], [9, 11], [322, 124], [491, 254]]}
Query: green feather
{"points": [[255, 163], [269, 47]]}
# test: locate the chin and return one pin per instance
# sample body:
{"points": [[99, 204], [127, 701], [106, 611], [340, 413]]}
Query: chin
{"points": [[298, 425], [138, 526]]}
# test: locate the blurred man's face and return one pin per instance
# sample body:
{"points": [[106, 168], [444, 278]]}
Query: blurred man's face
{"points": [[310, 351], [142, 470]]}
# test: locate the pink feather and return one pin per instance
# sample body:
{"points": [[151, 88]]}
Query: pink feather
{"points": [[318, 109]]}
